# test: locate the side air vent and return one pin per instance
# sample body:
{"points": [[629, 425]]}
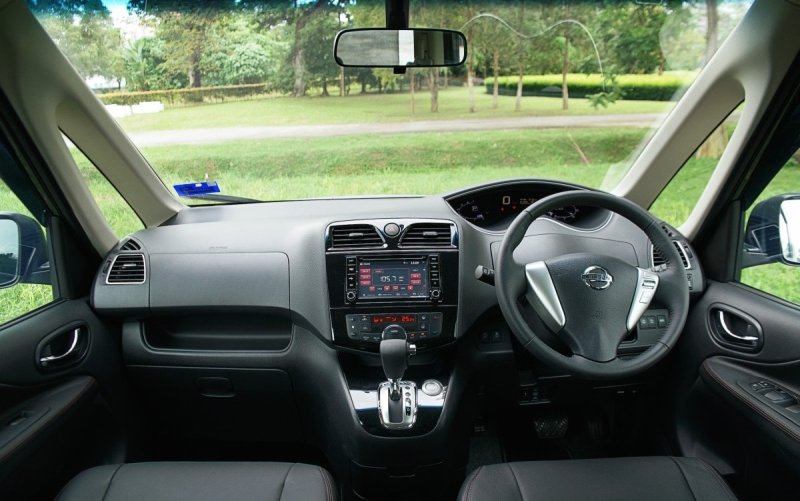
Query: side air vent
{"points": [[131, 245], [659, 260], [127, 269], [355, 236], [428, 235]]}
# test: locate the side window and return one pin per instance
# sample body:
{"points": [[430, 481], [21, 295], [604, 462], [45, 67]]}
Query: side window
{"points": [[25, 279], [120, 216], [679, 197], [771, 251]]}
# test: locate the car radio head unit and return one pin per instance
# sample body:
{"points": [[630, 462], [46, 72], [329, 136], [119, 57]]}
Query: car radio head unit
{"points": [[394, 278]]}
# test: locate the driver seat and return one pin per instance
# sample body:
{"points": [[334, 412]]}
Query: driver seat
{"points": [[632, 478]]}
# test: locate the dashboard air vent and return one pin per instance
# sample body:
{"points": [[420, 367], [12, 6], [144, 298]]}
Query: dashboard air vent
{"points": [[127, 269], [355, 236], [428, 235], [659, 260], [131, 245]]}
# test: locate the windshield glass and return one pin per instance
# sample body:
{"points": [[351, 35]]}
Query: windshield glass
{"points": [[232, 99]]}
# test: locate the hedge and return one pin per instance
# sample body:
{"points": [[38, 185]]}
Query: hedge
{"points": [[636, 87], [192, 95]]}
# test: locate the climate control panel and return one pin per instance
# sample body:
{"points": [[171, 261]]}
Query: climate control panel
{"points": [[369, 328]]}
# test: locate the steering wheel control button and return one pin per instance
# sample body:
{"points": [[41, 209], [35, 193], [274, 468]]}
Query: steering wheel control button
{"points": [[597, 277], [646, 286], [432, 387], [391, 230]]}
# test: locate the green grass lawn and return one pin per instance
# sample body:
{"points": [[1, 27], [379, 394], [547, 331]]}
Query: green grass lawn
{"points": [[404, 164], [368, 108]]}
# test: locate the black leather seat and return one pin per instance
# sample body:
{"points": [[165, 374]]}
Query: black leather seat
{"points": [[642, 478], [187, 481]]}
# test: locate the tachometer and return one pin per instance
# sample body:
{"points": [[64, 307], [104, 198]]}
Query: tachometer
{"points": [[471, 211]]}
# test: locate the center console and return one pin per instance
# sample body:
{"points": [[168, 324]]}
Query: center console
{"points": [[399, 273], [393, 289]]}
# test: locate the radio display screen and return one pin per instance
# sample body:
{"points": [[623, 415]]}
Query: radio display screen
{"points": [[395, 278]]}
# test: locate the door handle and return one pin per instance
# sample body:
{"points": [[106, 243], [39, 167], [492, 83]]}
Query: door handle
{"points": [[72, 349], [732, 335], [735, 329]]}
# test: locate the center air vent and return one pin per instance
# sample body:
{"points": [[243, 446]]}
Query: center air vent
{"points": [[355, 236], [127, 269], [659, 260], [428, 235]]}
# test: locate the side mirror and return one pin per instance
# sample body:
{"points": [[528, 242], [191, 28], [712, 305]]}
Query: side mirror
{"points": [[773, 232], [789, 229], [23, 251], [385, 48], [10, 246]]}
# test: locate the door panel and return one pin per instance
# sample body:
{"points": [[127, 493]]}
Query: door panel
{"points": [[57, 418], [736, 398]]}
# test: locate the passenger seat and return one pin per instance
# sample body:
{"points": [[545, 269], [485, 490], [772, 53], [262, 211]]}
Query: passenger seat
{"points": [[201, 481]]}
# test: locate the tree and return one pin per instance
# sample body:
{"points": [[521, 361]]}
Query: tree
{"points": [[87, 37], [317, 41], [143, 69], [715, 144], [184, 27], [239, 52], [630, 35]]}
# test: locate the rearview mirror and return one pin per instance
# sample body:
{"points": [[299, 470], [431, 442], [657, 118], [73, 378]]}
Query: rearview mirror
{"points": [[773, 232], [385, 48], [9, 253]]}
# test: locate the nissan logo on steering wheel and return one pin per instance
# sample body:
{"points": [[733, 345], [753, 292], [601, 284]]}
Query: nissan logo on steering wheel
{"points": [[597, 278]]}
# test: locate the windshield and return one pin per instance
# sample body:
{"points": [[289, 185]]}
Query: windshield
{"points": [[232, 99]]}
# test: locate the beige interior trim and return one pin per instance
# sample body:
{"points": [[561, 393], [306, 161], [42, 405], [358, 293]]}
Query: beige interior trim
{"points": [[47, 94], [749, 66]]}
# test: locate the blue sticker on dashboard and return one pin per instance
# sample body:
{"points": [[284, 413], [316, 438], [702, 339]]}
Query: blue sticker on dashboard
{"points": [[194, 189]]}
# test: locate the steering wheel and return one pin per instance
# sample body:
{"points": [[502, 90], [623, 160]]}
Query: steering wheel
{"points": [[590, 301]]}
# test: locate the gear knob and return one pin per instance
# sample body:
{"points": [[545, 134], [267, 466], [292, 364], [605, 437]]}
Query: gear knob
{"points": [[394, 358]]}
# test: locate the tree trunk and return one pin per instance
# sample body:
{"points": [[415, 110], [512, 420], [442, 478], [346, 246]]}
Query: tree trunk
{"points": [[712, 21], [564, 71], [433, 85], [299, 67], [325, 87], [411, 78], [518, 101], [363, 85], [471, 71], [446, 77], [496, 73], [195, 75], [717, 141], [298, 58], [341, 81]]}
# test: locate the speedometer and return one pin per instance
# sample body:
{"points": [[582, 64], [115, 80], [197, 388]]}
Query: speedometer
{"points": [[564, 214], [472, 211]]}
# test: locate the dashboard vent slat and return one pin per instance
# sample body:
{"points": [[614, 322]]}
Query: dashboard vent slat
{"points": [[355, 236], [131, 245], [659, 260], [127, 269], [428, 235]]}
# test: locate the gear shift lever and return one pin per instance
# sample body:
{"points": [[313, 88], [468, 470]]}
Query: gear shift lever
{"points": [[394, 358], [397, 400]]}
